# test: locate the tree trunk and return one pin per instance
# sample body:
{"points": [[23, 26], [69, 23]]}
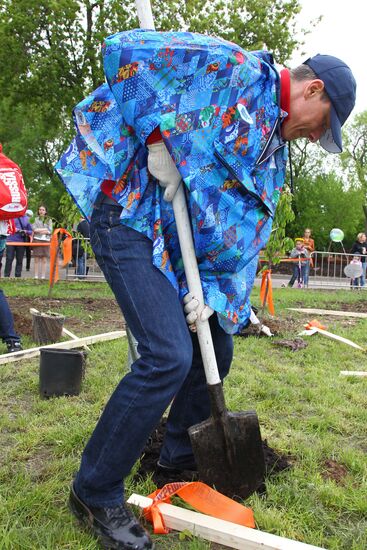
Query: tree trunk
{"points": [[365, 215], [47, 327]]}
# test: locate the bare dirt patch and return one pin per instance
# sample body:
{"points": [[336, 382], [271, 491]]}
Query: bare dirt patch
{"points": [[37, 465], [294, 344], [335, 471], [99, 314], [274, 462], [277, 325]]}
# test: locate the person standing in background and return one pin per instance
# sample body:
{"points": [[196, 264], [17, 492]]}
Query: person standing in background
{"points": [[23, 229], [309, 245], [360, 248], [28, 249], [79, 249], [2, 248], [5, 231], [42, 229], [301, 253], [7, 330]]}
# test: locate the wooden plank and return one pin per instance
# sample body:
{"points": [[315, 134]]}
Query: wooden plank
{"points": [[339, 338], [311, 311], [70, 344], [220, 531], [353, 373], [73, 336], [314, 330]]}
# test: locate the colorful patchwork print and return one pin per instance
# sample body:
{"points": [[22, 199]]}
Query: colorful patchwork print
{"points": [[218, 114]]}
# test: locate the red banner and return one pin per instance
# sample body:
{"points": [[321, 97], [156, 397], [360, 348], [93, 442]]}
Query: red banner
{"points": [[13, 194]]}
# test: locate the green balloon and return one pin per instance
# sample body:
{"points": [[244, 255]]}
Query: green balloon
{"points": [[336, 235]]}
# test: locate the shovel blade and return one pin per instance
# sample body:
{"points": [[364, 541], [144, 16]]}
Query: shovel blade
{"points": [[229, 453]]}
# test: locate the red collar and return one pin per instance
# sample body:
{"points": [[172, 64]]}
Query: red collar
{"points": [[285, 92]]}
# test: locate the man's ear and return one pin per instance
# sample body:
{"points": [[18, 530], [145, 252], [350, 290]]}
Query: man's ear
{"points": [[313, 88]]}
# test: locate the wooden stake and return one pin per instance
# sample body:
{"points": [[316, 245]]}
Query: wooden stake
{"points": [[73, 336], [70, 344], [220, 531], [353, 373], [311, 311], [313, 330]]}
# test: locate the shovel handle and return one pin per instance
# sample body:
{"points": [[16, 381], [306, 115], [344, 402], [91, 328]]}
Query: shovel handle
{"points": [[194, 283], [145, 16]]}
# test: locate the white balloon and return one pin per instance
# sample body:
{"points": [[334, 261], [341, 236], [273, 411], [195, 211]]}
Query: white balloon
{"points": [[336, 235]]}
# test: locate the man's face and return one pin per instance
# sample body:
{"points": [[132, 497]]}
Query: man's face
{"points": [[310, 112]]}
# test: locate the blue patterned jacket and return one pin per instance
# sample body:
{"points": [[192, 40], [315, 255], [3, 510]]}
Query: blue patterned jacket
{"points": [[218, 110]]}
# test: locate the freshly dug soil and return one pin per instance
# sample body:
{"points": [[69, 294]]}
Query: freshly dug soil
{"points": [[274, 462], [277, 326], [294, 344], [334, 470], [103, 313]]}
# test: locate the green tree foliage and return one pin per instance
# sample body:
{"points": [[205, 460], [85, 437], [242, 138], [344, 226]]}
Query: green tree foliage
{"points": [[249, 23], [354, 156], [279, 243], [323, 202], [50, 59]]}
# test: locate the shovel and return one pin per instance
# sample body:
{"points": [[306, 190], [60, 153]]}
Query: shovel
{"points": [[227, 446]]}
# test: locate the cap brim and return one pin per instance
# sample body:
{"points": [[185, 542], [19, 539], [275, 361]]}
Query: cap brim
{"points": [[331, 140]]}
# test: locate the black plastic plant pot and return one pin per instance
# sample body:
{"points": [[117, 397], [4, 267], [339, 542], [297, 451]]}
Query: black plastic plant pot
{"points": [[61, 372]]}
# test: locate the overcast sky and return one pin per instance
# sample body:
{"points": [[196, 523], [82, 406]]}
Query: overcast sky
{"points": [[343, 33]]}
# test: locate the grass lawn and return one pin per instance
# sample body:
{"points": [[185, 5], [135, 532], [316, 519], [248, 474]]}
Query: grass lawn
{"points": [[306, 410]]}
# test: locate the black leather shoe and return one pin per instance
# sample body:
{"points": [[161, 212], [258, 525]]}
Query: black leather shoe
{"points": [[13, 345], [116, 527]]}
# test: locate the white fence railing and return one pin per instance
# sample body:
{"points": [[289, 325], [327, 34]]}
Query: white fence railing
{"points": [[327, 269]]}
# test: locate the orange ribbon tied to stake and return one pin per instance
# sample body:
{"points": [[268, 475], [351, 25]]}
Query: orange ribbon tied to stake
{"points": [[55, 245], [266, 291], [315, 324], [201, 497]]}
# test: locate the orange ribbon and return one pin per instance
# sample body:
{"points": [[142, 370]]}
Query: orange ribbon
{"points": [[315, 324], [267, 296], [54, 249], [201, 497]]}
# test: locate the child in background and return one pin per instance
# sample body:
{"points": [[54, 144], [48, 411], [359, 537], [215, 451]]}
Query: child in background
{"points": [[300, 267], [357, 281]]}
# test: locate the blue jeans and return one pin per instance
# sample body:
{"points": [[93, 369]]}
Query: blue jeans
{"points": [[18, 253], [7, 330], [299, 273], [306, 273], [80, 265], [169, 369], [361, 281]]}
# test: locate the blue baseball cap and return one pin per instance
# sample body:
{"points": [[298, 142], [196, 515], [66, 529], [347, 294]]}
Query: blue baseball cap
{"points": [[340, 86]]}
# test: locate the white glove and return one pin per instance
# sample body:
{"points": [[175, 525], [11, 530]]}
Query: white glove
{"points": [[255, 321], [194, 311], [162, 167]]}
